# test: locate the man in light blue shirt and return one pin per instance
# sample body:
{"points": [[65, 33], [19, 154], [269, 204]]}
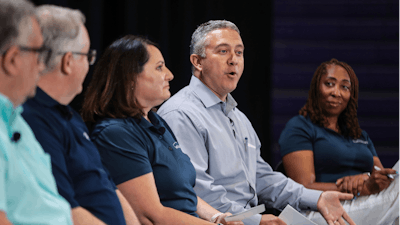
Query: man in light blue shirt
{"points": [[28, 193], [221, 142]]}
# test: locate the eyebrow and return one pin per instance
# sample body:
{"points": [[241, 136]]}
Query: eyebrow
{"points": [[227, 45], [333, 78]]}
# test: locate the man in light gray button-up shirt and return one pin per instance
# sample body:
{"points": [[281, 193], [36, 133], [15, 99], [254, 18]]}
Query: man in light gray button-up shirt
{"points": [[221, 142]]}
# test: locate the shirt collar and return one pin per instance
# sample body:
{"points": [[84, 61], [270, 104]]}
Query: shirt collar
{"points": [[208, 98], [155, 124], [8, 112], [44, 99], [230, 104]]}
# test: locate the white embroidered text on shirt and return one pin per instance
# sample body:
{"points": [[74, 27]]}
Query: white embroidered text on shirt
{"points": [[360, 141]]}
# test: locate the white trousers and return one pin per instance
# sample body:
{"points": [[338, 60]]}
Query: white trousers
{"points": [[377, 209]]}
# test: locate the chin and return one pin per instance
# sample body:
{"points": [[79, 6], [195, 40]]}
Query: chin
{"points": [[332, 114]]}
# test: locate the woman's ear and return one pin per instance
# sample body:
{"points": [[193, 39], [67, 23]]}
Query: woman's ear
{"points": [[10, 61], [66, 63], [196, 61]]}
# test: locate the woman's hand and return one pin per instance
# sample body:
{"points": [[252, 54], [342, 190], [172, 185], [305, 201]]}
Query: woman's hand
{"points": [[379, 180], [352, 184], [221, 219]]}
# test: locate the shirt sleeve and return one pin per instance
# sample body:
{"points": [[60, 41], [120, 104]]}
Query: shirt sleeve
{"points": [[371, 146], [190, 136], [276, 190], [297, 135], [123, 152], [3, 171], [54, 143]]}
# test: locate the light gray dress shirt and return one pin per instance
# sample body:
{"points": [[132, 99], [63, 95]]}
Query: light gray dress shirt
{"points": [[224, 148]]}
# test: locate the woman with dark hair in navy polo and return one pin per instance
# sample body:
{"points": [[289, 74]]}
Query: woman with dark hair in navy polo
{"points": [[324, 147], [325, 140], [136, 145]]}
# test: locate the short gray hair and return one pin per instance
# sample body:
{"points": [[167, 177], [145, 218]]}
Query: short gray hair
{"points": [[61, 29], [15, 22], [198, 43]]}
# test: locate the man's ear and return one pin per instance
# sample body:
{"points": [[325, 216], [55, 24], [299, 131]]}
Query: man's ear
{"points": [[10, 61], [196, 61], [66, 63]]}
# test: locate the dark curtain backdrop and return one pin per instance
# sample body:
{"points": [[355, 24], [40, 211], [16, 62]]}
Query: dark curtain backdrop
{"points": [[171, 23]]}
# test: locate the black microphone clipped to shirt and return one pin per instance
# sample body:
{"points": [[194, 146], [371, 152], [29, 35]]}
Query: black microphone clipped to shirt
{"points": [[16, 136]]}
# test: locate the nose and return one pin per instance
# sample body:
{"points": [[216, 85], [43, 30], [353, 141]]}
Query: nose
{"points": [[336, 91], [233, 59], [169, 75]]}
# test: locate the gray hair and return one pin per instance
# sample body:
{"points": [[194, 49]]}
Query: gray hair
{"points": [[199, 43], [15, 22], [61, 29]]}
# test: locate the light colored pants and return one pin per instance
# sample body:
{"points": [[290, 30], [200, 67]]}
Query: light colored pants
{"points": [[377, 209]]}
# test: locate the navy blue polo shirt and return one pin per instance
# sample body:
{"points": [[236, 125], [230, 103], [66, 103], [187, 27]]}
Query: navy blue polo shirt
{"points": [[335, 155], [76, 164], [133, 147]]}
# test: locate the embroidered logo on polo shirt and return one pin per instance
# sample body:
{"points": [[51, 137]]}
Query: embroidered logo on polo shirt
{"points": [[86, 136], [176, 145], [360, 141]]}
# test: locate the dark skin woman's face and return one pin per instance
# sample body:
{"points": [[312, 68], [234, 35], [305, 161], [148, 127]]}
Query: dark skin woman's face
{"points": [[335, 92]]}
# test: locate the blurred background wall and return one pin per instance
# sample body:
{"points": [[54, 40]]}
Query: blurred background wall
{"points": [[285, 41]]}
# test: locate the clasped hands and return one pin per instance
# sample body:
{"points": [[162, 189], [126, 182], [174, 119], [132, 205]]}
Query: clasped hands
{"points": [[362, 184]]}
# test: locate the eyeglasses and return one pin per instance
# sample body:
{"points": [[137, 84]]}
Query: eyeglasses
{"points": [[38, 50], [91, 55], [33, 49]]}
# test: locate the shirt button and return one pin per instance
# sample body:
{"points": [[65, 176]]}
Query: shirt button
{"points": [[170, 148], [160, 137]]}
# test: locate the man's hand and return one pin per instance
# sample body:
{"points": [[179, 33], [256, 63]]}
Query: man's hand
{"points": [[268, 219], [352, 184], [332, 210]]}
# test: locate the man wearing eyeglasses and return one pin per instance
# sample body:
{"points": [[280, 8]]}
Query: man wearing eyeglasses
{"points": [[80, 176], [28, 192]]}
